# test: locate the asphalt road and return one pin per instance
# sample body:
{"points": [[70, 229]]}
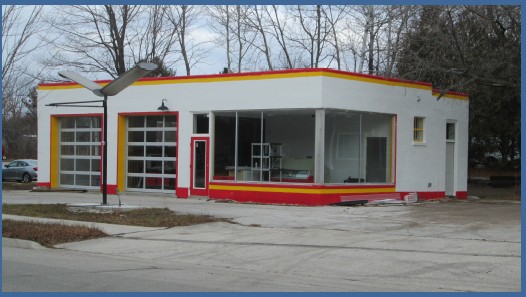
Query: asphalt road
{"points": [[468, 246]]}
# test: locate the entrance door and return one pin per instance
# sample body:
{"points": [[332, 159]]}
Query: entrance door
{"points": [[450, 159], [376, 160], [199, 166]]}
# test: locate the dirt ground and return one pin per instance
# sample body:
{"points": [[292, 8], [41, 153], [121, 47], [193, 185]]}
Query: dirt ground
{"points": [[488, 192], [483, 190]]}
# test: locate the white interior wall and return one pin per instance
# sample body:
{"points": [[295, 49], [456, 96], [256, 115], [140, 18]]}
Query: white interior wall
{"points": [[294, 131]]}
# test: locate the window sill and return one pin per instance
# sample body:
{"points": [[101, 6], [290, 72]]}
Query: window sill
{"points": [[419, 143]]}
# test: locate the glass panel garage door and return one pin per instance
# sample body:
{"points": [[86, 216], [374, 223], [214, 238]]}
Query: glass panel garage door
{"points": [[151, 149], [79, 152]]}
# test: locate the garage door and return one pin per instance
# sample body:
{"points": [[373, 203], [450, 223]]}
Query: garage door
{"points": [[79, 153], [151, 153]]}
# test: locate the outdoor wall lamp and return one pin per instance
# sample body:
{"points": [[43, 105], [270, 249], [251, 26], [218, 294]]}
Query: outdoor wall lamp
{"points": [[163, 107]]}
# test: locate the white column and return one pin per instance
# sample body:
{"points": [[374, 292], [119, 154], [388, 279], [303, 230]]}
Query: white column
{"points": [[319, 147]]}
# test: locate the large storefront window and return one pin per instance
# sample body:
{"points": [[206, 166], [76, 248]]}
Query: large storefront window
{"points": [[79, 152], [358, 147], [151, 153], [264, 146]]}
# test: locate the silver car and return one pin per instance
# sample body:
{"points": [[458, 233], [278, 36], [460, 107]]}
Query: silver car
{"points": [[20, 170]]}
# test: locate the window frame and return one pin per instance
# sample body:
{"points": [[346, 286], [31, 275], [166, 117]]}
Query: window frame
{"points": [[419, 130], [451, 137]]}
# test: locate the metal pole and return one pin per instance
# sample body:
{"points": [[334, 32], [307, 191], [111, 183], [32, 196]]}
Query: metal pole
{"points": [[105, 153]]}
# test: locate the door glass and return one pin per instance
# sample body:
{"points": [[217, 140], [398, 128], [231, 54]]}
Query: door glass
{"points": [[200, 164]]}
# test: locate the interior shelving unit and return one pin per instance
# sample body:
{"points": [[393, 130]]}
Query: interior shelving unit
{"points": [[266, 161]]}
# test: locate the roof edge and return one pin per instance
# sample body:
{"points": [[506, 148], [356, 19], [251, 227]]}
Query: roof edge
{"points": [[270, 74]]}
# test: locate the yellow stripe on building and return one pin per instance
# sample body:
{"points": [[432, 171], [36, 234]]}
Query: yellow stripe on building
{"points": [[452, 96], [265, 76], [53, 170], [121, 153], [380, 81], [301, 190]]}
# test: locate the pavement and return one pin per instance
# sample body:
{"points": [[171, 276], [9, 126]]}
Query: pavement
{"points": [[432, 246]]}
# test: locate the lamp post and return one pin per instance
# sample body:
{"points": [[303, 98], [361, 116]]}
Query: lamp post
{"points": [[111, 89]]}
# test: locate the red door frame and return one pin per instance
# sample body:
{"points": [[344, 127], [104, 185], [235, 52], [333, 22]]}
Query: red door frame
{"points": [[199, 191]]}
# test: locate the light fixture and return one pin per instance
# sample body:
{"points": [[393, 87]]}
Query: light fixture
{"points": [[162, 107], [111, 89]]}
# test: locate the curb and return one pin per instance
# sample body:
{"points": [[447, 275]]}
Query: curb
{"points": [[21, 243]]}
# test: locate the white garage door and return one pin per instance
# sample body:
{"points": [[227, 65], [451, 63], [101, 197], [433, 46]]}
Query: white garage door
{"points": [[79, 153], [151, 153]]}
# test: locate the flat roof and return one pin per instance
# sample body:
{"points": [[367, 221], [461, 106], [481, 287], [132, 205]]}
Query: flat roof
{"points": [[277, 74]]}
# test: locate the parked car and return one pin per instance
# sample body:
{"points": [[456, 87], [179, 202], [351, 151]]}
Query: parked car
{"points": [[4, 156], [20, 170]]}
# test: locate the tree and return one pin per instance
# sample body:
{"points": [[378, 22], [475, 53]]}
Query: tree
{"points": [[474, 49], [185, 18], [20, 27], [220, 20], [255, 19], [334, 16], [278, 29], [93, 38], [311, 37], [155, 41]]}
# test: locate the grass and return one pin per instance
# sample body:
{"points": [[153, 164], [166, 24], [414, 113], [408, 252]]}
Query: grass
{"points": [[13, 185], [147, 217], [48, 234]]}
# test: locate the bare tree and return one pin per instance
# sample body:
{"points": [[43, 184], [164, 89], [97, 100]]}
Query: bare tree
{"points": [[311, 37], [94, 38], [398, 18], [20, 26], [220, 23], [155, 40], [234, 33], [245, 39], [278, 29], [334, 15], [255, 19], [184, 19]]}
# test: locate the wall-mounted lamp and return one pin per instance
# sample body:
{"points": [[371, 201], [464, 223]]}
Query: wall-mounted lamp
{"points": [[162, 107]]}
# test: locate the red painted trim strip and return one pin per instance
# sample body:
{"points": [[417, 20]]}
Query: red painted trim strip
{"points": [[245, 74], [172, 113], [181, 193], [65, 115], [44, 184], [451, 93], [197, 191], [277, 72], [426, 195], [462, 195], [149, 113], [112, 189], [299, 186], [395, 156], [302, 199]]}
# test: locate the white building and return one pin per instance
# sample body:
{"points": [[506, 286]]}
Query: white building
{"points": [[304, 136]]}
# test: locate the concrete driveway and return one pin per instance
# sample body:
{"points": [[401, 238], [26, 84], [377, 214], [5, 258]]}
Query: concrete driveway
{"points": [[446, 246]]}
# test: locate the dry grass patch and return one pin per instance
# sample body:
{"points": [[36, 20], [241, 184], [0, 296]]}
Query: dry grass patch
{"points": [[13, 185], [147, 217], [48, 234]]}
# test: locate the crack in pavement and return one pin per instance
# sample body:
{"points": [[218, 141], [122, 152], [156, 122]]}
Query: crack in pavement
{"points": [[293, 245]]}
